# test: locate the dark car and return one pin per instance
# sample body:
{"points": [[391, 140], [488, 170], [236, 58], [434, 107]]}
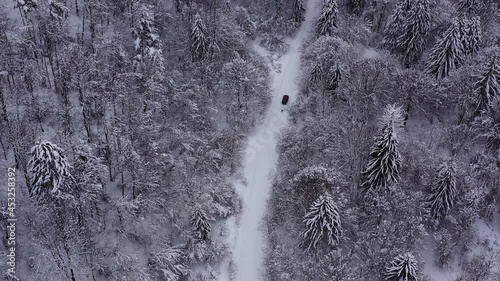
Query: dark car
{"points": [[284, 100]]}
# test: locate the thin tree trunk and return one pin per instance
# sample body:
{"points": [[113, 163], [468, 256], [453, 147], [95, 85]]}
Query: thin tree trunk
{"points": [[107, 153], [22, 15], [13, 79], [84, 114], [59, 72], [131, 14], [77, 11], [92, 26], [3, 105], [83, 24], [44, 61], [133, 188], [61, 226], [123, 186], [4, 149], [17, 160], [51, 62], [67, 123], [33, 101], [10, 85], [72, 275]]}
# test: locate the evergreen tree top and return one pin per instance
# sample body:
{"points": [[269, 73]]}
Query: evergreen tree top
{"points": [[487, 86], [322, 222], [49, 169], [448, 52], [393, 116], [402, 268]]}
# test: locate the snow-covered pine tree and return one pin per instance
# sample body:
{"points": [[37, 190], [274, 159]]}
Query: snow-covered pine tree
{"points": [[356, 6], [468, 6], [470, 33], [317, 73], [402, 268], [464, 26], [444, 191], [447, 54], [385, 161], [321, 222], [333, 82], [311, 181], [147, 44], [396, 24], [384, 164], [474, 36], [49, 169], [416, 28], [200, 224], [328, 19], [487, 127], [58, 10], [200, 43], [487, 86], [299, 11]]}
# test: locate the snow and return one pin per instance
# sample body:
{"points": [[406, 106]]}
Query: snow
{"points": [[246, 235], [487, 240], [370, 54], [74, 25], [11, 12], [434, 272], [488, 233]]}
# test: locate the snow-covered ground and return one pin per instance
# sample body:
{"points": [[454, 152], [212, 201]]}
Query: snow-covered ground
{"points": [[486, 241], [434, 272], [246, 234]]}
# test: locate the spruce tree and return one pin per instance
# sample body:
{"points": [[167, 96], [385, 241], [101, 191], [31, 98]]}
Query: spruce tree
{"points": [[147, 43], [385, 161], [443, 191], [487, 86], [487, 127], [321, 222], [402, 268], [416, 28], [447, 54], [299, 11], [49, 170], [58, 10], [474, 36], [468, 6], [200, 225], [317, 73], [333, 82], [356, 6], [328, 19], [200, 43], [464, 27], [396, 25], [470, 33]]}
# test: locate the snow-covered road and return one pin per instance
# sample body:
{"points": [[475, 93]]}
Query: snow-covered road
{"points": [[247, 237]]}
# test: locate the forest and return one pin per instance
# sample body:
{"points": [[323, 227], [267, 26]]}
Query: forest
{"points": [[132, 139]]}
